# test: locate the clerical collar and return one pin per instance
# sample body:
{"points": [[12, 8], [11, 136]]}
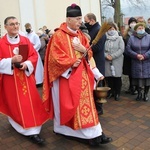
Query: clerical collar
{"points": [[13, 37], [74, 31], [13, 40]]}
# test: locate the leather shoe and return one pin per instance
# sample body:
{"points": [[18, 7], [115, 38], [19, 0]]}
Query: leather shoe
{"points": [[134, 93], [100, 112], [95, 141], [145, 98], [105, 140], [139, 97], [36, 139], [110, 95], [117, 97], [99, 140], [92, 142], [85, 141]]}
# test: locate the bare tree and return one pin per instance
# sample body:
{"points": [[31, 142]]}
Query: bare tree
{"points": [[115, 5], [136, 3]]}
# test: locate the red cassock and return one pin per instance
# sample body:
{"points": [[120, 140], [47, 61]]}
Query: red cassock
{"points": [[19, 97], [77, 108]]}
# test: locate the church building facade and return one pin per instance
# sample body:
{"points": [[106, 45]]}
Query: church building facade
{"points": [[43, 12]]}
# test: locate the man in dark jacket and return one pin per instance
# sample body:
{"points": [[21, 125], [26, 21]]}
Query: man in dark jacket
{"points": [[98, 50], [147, 29]]}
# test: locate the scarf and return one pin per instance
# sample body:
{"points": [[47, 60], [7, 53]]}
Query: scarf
{"points": [[110, 39], [140, 36]]}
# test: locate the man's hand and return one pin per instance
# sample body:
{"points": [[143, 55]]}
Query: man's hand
{"points": [[101, 78], [76, 64], [79, 47], [16, 58], [24, 66]]}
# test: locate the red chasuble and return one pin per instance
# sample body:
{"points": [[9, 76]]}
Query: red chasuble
{"points": [[77, 107], [19, 96]]}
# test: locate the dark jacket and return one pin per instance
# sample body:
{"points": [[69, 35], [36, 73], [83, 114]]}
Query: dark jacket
{"points": [[140, 69], [127, 59], [42, 50], [147, 30], [98, 49]]}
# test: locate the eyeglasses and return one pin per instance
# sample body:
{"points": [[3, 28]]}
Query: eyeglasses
{"points": [[13, 24]]}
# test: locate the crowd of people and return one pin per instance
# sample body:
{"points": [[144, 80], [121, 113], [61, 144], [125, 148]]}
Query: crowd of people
{"points": [[64, 60]]}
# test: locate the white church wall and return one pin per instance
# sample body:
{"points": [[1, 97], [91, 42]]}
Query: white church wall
{"points": [[43, 12]]}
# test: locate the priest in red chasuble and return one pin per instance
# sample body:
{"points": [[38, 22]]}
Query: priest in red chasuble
{"points": [[19, 97], [69, 82]]}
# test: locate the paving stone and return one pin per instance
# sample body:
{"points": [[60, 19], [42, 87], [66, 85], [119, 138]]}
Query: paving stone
{"points": [[127, 121]]}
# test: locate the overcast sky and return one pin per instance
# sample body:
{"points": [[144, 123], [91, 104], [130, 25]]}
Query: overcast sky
{"points": [[126, 3], [128, 10]]}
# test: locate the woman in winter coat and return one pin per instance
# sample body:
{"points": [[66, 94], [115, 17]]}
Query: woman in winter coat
{"points": [[138, 48], [114, 48]]}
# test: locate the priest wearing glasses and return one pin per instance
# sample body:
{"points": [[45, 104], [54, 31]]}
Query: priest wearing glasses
{"points": [[19, 98]]}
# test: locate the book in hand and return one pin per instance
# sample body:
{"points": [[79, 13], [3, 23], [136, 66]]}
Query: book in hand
{"points": [[17, 65], [23, 51]]}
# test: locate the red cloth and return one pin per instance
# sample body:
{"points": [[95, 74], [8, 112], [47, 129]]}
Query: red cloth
{"points": [[19, 96], [77, 108]]}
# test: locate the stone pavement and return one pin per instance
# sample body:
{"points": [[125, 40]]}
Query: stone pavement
{"points": [[126, 121]]}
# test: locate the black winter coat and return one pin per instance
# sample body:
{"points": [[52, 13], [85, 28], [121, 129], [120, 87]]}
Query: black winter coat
{"points": [[98, 49]]}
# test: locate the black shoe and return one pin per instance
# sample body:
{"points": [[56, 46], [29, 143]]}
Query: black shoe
{"points": [[134, 92], [36, 139], [39, 85], [99, 108], [139, 97], [73, 138], [117, 97], [105, 140], [110, 95], [145, 98], [100, 112], [128, 91], [92, 142], [100, 140], [95, 141]]}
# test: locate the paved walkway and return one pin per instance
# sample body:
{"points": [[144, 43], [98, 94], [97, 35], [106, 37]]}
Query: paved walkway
{"points": [[126, 121]]}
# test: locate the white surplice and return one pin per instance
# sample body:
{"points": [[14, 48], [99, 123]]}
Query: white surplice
{"points": [[87, 133], [39, 72]]}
